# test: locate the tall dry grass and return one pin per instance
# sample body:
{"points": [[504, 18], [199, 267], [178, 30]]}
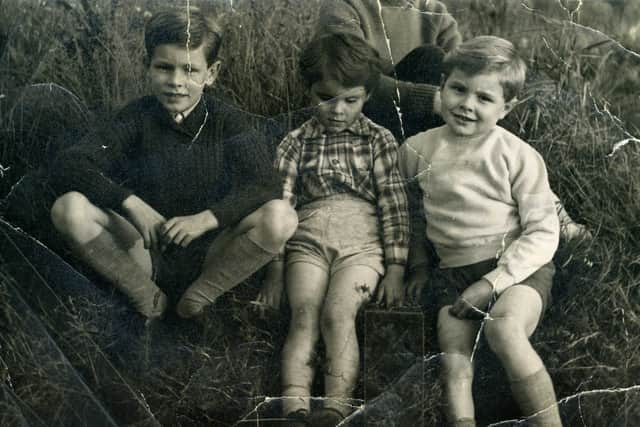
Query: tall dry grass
{"points": [[580, 102]]}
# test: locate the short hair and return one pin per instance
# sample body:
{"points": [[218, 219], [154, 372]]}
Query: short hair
{"points": [[342, 57], [489, 54], [181, 26]]}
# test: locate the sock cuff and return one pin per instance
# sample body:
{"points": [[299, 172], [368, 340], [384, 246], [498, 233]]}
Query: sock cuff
{"points": [[540, 374], [464, 422], [258, 245]]}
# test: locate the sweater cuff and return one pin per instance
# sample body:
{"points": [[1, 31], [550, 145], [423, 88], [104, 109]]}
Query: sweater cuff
{"points": [[225, 215], [113, 198], [500, 279]]}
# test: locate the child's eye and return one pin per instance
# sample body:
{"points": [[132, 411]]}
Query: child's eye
{"points": [[457, 88], [163, 67], [352, 100], [486, 99]]}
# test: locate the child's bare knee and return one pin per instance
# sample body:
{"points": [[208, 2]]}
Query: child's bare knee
{"points": [[503, 334], [278, 223], [69, 212]]}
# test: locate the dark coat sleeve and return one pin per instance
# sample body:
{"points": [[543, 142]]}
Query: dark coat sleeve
{"points": [[95, 166]]}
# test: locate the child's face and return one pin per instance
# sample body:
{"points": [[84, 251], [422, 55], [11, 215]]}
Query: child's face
{"points": [[473, 104], [178, 76], [337, 107]]}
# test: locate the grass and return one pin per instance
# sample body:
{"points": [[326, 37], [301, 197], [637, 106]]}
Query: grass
{"points": [[55, 355]]}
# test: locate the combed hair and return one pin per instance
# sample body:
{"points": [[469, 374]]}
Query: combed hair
{"points": [[485, 54], [342, 57], [169, 26]]}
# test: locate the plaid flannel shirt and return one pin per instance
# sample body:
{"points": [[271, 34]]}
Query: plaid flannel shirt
{"points": [[360, 160]]}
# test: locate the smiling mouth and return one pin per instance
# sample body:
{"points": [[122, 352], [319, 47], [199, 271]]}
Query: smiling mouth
{"points": [[175, 95], [463, 118]]}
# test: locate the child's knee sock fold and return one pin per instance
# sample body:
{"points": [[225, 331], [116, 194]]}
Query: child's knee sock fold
{"points": [[294, 398], [239, 260], [105, 256], [464, 422], [537, 399]]}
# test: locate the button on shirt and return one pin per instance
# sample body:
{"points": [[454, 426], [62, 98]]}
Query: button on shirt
{"points": [[360, 160]]}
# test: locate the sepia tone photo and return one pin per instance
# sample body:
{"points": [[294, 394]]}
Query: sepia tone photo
{"points": [[319, 213]]}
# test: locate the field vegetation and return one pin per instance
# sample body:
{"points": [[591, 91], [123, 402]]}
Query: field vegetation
{"points": [[72, 354]]}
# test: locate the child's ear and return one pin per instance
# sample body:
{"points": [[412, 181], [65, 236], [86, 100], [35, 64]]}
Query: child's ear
{"points": [[212, 73], [443, 80]]}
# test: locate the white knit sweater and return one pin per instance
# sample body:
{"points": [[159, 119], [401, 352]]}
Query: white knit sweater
{"points": [[484, 198]]}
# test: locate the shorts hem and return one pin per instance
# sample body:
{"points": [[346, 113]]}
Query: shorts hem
{"points": [[343, 266]]}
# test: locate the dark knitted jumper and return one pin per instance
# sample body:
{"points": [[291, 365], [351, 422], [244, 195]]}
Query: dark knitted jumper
{"points": [[142, 151]]}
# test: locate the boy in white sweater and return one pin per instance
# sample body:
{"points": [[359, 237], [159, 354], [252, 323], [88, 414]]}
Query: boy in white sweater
{"points": [[492, 222]]}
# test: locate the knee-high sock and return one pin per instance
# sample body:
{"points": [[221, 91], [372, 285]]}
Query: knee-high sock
{"points": [[464, 422], [106, 257], [537, 399], [240, 259]]}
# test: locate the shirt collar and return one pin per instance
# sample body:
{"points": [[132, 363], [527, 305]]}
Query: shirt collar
{"points": [[193, 117], [360, 126], [183, 115]]}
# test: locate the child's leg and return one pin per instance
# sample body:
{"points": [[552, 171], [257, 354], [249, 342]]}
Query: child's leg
{"points": [[109, 244], [514, 318], [306, 288], [349, 288], [238, 253], [456, 338]]}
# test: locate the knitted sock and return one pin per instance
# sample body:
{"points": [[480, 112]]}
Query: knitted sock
{"points": [[295, 398], [108, 259], [240, 259], [464, 422], [537, 399]]}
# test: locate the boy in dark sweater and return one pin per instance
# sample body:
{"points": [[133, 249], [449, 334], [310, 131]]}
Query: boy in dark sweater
{"points": [[175, 175]]}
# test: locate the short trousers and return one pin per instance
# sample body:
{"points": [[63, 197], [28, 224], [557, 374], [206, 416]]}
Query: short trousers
{"points": [[336, 232], [449, 283]]}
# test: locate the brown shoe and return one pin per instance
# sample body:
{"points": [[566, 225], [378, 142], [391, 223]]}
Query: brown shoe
{"points": [[299, 418]]}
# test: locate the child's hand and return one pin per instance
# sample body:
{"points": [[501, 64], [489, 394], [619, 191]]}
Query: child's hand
{"points": [[182, 230], [270, 296], [574, 230], [145, 219], [473, 301], [416, 282], [390, 288]]}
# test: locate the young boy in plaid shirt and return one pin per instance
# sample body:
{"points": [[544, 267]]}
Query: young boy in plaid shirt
{"points": [[341, 169]]}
